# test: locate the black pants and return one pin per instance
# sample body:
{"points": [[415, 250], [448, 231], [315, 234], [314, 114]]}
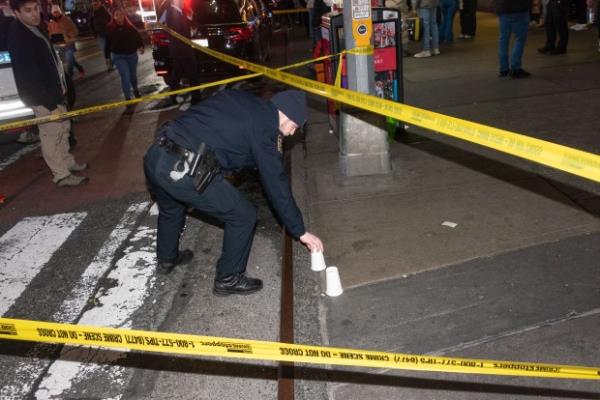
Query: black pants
{"points": [[183, 67], [219, 200], [557, 23], [468, 17], [581, 11]]}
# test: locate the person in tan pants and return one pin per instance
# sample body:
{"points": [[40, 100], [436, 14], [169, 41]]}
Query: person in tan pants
{"points": [[41, 84]]}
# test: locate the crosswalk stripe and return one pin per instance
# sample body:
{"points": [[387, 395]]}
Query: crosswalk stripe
{"points": [[27, 247], [28, 372], [74, 303], [134, 277], [17, 154]]}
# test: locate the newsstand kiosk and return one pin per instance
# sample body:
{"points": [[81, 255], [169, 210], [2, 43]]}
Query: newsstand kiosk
{"points": [[387, 57]]}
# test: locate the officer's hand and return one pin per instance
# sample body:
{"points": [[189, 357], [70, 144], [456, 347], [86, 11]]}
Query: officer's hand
{"points": [[311, 241]]}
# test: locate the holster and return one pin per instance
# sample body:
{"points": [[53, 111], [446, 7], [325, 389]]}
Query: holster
{"points": [[204, 168]]}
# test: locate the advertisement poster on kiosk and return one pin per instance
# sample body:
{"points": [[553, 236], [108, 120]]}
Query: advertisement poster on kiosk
{"points": [[386, 59]]}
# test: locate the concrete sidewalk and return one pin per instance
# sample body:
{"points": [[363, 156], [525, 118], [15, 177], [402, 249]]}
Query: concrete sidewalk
{"points": [[516, 279]]}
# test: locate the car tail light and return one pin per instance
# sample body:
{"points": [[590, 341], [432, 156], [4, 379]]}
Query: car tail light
{"points": [[159, 38], [239, 33]]}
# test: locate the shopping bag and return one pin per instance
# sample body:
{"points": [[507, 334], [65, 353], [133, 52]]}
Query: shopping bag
{"points": [[415, 28]]}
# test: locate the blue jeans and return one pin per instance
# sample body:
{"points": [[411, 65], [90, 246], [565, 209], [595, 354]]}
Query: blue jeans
{"points": [[219, 200], [430, 28], [512, 24], [127, 66], [448, 10], [69, 53]]}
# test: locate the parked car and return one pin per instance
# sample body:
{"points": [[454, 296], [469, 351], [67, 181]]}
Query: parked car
{"points": [[12, 108], [240, 28]]}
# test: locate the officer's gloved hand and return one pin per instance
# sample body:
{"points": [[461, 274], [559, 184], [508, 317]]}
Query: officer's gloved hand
{"points": [[312, 242]]}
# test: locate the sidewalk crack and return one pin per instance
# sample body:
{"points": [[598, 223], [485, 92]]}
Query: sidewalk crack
{"points": [[573, 315]]}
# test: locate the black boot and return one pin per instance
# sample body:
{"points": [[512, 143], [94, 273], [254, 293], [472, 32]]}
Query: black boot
{"points": [[236, 284], [165, 267]]}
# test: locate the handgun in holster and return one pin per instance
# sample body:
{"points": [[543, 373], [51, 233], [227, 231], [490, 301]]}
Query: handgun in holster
{"points": [[204, 168]]}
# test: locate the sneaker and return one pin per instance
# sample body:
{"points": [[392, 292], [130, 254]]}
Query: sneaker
{"points": [[519, 73], [436, 52], [183, 98], [166, 104], [28, 137], [503, 74], [467, 36], [579, 27], [72, 180], [78, 167], [423, 54], [137, 94]]}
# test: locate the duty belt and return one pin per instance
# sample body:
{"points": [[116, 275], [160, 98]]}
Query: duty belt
{"points": [[174, 148]]}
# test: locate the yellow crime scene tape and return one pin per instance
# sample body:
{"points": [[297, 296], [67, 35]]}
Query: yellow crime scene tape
{"points": [[212, 346], [577, 162], [117, 104], [109, 106]]}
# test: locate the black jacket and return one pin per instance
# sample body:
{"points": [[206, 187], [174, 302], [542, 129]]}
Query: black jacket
{"points": [[35, 68], [511, 6], [122, 39], [242, 130], [100, 19]]}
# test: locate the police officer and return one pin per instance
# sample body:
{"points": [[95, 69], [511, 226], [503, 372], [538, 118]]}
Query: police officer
{"points": [[240, 130]]}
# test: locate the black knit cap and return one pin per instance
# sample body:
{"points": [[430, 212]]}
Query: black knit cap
{"points": [[293, 104]]}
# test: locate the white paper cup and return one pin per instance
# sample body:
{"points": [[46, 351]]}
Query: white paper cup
{"points": [[317, 261], [334, 285]]}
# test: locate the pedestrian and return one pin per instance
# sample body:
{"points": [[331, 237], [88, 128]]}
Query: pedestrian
{"points": [[63, 33], [581, 23], [556, 22], [468, 19], [100, 20], [513, 17], [535, 14], [427, 10], [182, 56], [41, 84], [123, 41], [251, 139], [448, 8]]}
